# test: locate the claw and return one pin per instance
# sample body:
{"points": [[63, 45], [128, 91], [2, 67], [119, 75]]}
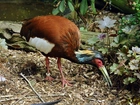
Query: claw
{"points": [[65, 82]]}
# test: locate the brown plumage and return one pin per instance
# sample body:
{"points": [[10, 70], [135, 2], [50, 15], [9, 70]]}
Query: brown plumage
{"points": [[55, 29], [57, 36]]}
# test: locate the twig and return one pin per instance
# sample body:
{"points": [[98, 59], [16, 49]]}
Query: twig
{"points": [[104, 6], [21, 98], [6, 96], [82, 17], [32, 88], [8, 99], [48, 103]]}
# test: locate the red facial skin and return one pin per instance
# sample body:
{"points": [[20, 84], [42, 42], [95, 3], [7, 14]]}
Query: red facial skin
{"points": [[98, 62]]}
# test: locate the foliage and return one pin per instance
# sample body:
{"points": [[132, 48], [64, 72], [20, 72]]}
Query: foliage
{"points": [[127, 65], [15, 42], [106, 23], [74, 5], [125, 46]]}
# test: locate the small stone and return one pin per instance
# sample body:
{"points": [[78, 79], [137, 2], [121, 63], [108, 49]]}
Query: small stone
{"points": [[111, 96], [114, 91]]}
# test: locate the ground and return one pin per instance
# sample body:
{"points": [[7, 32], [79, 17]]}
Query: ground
{"points": [[88, 86]]}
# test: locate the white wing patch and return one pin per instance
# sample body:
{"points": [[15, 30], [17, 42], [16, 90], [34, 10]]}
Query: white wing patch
{"points": [[41, 44]]}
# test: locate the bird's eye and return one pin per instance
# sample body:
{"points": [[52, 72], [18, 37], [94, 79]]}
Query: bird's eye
{"points": [[98, 62]]}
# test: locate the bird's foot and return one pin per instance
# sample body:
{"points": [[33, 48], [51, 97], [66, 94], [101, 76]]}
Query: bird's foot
{"points": [[65, 82], [48, 77]]}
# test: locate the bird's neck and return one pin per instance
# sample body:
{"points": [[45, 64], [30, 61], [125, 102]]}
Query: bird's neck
{"points": [[84, 56]]}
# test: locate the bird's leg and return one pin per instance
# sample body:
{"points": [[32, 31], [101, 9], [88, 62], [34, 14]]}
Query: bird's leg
{"points": [[64, 81], [48, 77]]}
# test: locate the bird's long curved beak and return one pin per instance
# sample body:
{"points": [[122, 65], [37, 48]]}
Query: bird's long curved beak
{"points": [[105, 73]]}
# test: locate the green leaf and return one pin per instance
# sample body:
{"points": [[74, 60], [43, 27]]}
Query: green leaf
{"points": [[129, 80], [70, 5], [118, 71], [93, 6], [116, 39], [92, 40], [124, 49], [83, 7], [83, 29], [113, 44], [103, 50], [113, 68], [55, 1], [124, 41], [55, 11], [137, 75], [62, 6]]}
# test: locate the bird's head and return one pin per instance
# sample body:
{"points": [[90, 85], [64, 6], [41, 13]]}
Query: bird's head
{"points": [[93, 58]]}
